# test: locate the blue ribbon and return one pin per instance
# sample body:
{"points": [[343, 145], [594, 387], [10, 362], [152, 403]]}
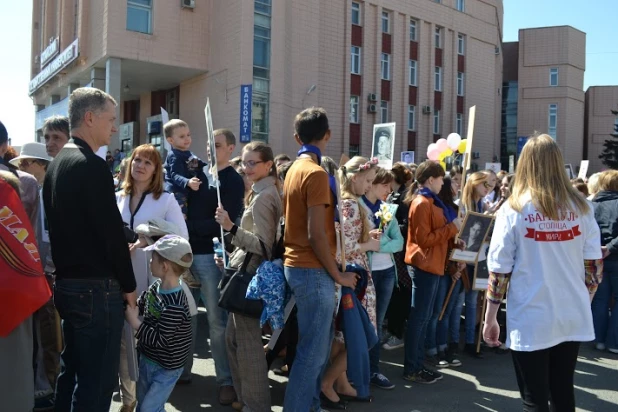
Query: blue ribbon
{"points": [[448, 212], [309, 148]]}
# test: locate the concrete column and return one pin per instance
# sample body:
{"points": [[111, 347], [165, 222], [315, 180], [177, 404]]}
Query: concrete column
{"points": [[113, 86], [97, 78]]}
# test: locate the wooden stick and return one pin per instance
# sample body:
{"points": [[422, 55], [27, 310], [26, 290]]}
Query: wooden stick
{"points": [[480, 336], [58, 331], [448, 297]]}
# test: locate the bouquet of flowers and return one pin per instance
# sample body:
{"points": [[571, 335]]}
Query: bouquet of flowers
{"points": [[385, 215]]}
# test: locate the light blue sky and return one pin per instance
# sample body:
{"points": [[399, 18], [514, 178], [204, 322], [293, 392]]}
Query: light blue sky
{"points": [[595, 17]]}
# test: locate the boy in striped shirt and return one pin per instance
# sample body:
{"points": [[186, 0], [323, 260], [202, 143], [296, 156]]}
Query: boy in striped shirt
{"points": [[164, 334]]}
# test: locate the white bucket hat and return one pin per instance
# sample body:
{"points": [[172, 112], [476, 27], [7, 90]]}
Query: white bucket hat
{"points": [[32, 151]]}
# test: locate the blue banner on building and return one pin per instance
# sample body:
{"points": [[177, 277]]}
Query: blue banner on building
{"points": [[245, 112]]}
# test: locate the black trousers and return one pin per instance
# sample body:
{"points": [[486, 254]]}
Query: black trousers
{"points": [[545, 378]]}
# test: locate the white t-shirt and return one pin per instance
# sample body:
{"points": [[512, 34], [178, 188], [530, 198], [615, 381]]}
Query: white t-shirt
{"points": [[547, 300]]}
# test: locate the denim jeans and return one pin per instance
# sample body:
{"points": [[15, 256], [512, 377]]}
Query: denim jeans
{"points": [[314, 292], [209, 275], [92, 315], [444, 325], [155, 385], [384, 282], [470, 298], [186, 371], [606, 326], [432, 343], [424, 294]]}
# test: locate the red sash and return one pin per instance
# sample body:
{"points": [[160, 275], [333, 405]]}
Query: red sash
{"points": [[23, 287]]}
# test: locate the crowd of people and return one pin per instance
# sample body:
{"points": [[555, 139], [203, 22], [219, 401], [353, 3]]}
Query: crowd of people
{"points": [[364, 251]]}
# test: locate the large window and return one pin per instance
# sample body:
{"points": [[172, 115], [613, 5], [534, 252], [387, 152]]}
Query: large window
{"points": [[385, 22], [553, 76], [460, 83], [386, 66], [356, 60], [461, 5], [459, 124], [139, 16], [412, 64], [356, 13], [261, 41], [261, 70], [436, 122], [354, 115], [411, 117], [437, 38], [553, 120], [438, 79], [383, 111], [413, 34], [461, 44]]}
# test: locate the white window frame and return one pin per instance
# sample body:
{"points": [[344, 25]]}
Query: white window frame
{"points": [[383, 111], [436, 122], [554, 72], [437, 38], [437, 79], [411, 118], [140, 6], [461, 44], [459, 123], [356, 9], [385, 66], [354, 109], [412, 73], [355, 60], [461, 81], [552, 113], [460, 5], [413, 30], [386, 22]]}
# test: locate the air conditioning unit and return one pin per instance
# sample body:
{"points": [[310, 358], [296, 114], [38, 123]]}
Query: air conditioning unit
{"points": [[187, 4], [372, 108], [426, 109], [372, 97], [497, 51]]}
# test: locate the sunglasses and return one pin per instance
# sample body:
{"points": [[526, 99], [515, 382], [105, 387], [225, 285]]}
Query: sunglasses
{"points": [[250, 164]]}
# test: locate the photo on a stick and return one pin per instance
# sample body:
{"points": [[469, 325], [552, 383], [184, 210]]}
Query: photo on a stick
{"points": [[473, 232], [383, 145], [481, 272], [407, 157]]}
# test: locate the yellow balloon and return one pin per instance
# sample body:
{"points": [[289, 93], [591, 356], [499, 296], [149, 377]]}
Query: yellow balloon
{"points": [[462, 146], [443, 164], [445, 154]]}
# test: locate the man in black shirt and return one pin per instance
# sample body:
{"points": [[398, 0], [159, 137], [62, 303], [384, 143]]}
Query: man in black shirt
{"points": [[93, 266]]}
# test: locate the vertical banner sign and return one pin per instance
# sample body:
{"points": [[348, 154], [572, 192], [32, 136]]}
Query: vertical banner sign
{"points": [[246, 91]]}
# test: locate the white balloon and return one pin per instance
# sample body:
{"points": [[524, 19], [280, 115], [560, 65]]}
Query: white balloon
{"points": [[453, 140]]}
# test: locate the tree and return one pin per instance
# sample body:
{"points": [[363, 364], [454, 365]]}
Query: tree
{"points": [[609, 156]]}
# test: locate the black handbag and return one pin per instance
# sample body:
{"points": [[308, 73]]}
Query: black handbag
{"points": [[234, 290]]}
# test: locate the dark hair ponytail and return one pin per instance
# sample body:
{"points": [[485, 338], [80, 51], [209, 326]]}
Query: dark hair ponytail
{"points": [[425, 170]]}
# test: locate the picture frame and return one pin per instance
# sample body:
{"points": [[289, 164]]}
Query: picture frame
{"points": [[473, 232], [407, 157], [481, 271], [383, 144]]}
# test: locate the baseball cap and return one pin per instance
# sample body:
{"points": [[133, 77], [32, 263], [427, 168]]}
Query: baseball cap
{"points": [[156, 227], [173, 248]]}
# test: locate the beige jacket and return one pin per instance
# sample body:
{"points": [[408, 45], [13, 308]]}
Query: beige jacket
{"points": [[260, 221]]}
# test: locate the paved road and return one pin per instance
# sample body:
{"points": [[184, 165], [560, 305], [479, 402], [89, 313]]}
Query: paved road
{"points": [[479, 385]]}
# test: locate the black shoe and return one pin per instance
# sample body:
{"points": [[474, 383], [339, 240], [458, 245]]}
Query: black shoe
{"points": [[433, 373], [421, 377], [471, 351], [451, 358], [328, 404], [436, 362]]}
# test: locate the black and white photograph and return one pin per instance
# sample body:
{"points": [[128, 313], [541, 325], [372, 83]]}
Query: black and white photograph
{"points": [[481, 273], [473, 232], [383, 147], [407, 157]]}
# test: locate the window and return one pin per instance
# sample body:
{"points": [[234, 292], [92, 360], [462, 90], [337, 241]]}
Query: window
{"points": [[139, 16], [461, 5], [263, 6], [460, 84], [356, 60], [156, 141], [553, 76], [411, 117], [412, 68], [412, 30], [383, 111], [553, 120], [461, 44], [459, 124], [354, 109], [356, 13], [438, 79], [386, 66], [385, 22], [261, 45], [438, 38], [436, 122]]}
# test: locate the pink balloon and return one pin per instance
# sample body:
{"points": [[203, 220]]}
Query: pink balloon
{"points": [[434, 154], [431, 148], [442, 144]]}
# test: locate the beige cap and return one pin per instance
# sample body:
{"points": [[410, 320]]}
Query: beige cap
{"points": [[156, 227], [173, 248]]}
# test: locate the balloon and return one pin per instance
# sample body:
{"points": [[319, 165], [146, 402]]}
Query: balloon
{"points": [[445, 154], [453, 141], [434, 154], [443, 164], [442, 144], [462, 146], [431, 148]]}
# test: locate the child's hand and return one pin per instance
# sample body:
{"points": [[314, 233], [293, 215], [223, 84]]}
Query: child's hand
{"points": [[131, 314], [194, 183]]}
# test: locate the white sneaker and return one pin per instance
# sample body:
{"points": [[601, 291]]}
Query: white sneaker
{"points": [[600, 346], [393, 343], [613, 351]]}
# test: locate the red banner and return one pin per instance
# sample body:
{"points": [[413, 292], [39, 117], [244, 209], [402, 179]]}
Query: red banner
{"points": [[555, 236]]}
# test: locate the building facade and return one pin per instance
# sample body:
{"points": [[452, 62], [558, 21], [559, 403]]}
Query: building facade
{"points": [[421, 64], [600, 123]]}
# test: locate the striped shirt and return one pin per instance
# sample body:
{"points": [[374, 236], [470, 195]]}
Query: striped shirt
{"points": [[165, 334]]}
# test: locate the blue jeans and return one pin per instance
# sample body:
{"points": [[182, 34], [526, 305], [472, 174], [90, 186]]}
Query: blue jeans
{"points": [[432, 343], [444, 325], [606, 326], [384, 282], [186, 371], [314, 292], [470, 297], [209, 274], [425, 286], [92, 315], [155, 385]]}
